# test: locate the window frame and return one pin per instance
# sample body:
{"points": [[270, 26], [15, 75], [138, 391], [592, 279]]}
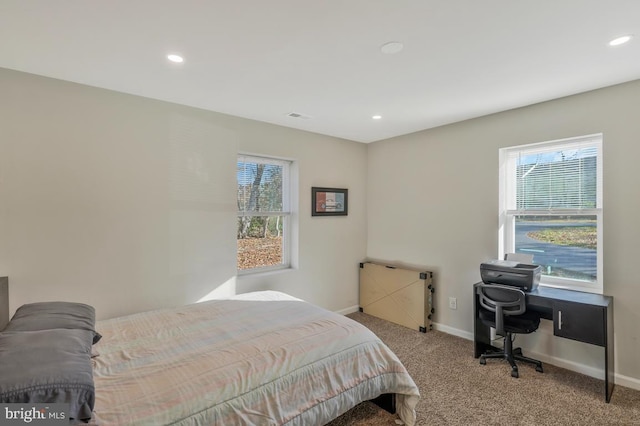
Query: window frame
{"points": [[508, 214], [286, 212]]}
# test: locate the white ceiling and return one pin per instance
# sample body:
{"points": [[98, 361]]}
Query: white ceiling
{"points": [[264, 59]]}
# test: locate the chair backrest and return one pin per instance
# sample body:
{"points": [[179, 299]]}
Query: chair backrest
{"points": [[504, 300]]}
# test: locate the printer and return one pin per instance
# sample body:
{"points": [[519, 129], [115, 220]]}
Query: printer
{"points": [[509, 272]]}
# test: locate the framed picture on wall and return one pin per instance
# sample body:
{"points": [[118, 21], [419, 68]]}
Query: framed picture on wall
{"points": [[329, 201]]}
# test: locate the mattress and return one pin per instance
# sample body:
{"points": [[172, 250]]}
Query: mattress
{"points": [[262, 358]]}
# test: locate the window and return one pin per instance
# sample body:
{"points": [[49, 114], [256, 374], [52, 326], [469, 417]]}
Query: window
{"points": [[263, 213], [551, 207]]}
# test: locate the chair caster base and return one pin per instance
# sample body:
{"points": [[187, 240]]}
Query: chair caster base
{"points": [[511, 356]]}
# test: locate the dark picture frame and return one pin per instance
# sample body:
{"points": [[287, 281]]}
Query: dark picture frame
{"points": [[329, 201]]}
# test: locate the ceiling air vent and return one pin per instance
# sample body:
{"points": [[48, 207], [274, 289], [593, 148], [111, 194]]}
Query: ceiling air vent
{"points": [[298, 115]]}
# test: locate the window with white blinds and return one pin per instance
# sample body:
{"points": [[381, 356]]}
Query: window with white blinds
{"points": [[263, 213], [551, 207]]}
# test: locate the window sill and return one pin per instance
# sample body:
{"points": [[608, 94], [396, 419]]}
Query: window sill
{"points": [[583, 289], [264, 271]]}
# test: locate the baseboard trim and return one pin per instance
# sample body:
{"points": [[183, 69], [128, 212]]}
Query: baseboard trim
{"points": [[349, 310], [629, 382], [454, 331]]}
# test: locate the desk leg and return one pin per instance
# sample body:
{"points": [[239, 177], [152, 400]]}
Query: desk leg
{"points": [[481, 333], [609, 365], [608, 376]]}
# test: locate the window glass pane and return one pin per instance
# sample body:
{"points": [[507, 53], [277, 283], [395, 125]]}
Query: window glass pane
{"points": [[562, 179], [260, 241], [566, 246], [259, 186]]}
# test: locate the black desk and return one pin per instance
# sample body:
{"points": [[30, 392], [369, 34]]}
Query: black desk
{"points": [[576, 315]]}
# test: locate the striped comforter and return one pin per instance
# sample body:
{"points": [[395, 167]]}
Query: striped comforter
{"points": [[263, 358]]}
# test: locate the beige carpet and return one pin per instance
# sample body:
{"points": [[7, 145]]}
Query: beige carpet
{"points": [[456, 390]]}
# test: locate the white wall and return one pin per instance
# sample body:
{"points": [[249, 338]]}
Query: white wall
{"points": [[129, 204], [433, 202]]}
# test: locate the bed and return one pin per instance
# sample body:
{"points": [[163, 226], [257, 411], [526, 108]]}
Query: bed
{"points": [[256, 359]]}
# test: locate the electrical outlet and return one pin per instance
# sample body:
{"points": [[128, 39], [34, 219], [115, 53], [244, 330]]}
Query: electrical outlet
{"points": [[453, 303]]}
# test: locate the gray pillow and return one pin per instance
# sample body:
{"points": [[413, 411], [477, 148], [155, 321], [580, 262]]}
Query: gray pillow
{"points": [[48, 366], [50, 315]]}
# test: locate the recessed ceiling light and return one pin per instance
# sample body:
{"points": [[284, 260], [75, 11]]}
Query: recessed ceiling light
{"points": [[391, 47], [175, 58], [376, 117], [620, 40]]}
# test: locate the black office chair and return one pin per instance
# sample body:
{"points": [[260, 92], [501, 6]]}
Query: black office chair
{"points": [[504, 308]]}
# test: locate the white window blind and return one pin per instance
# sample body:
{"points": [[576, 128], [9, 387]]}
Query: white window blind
{"points": [[556, 177], [260, 186]]}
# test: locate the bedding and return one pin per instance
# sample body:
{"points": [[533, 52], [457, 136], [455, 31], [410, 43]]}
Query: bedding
{"points": [[48, 366], [256, 359], [51, 315]]}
